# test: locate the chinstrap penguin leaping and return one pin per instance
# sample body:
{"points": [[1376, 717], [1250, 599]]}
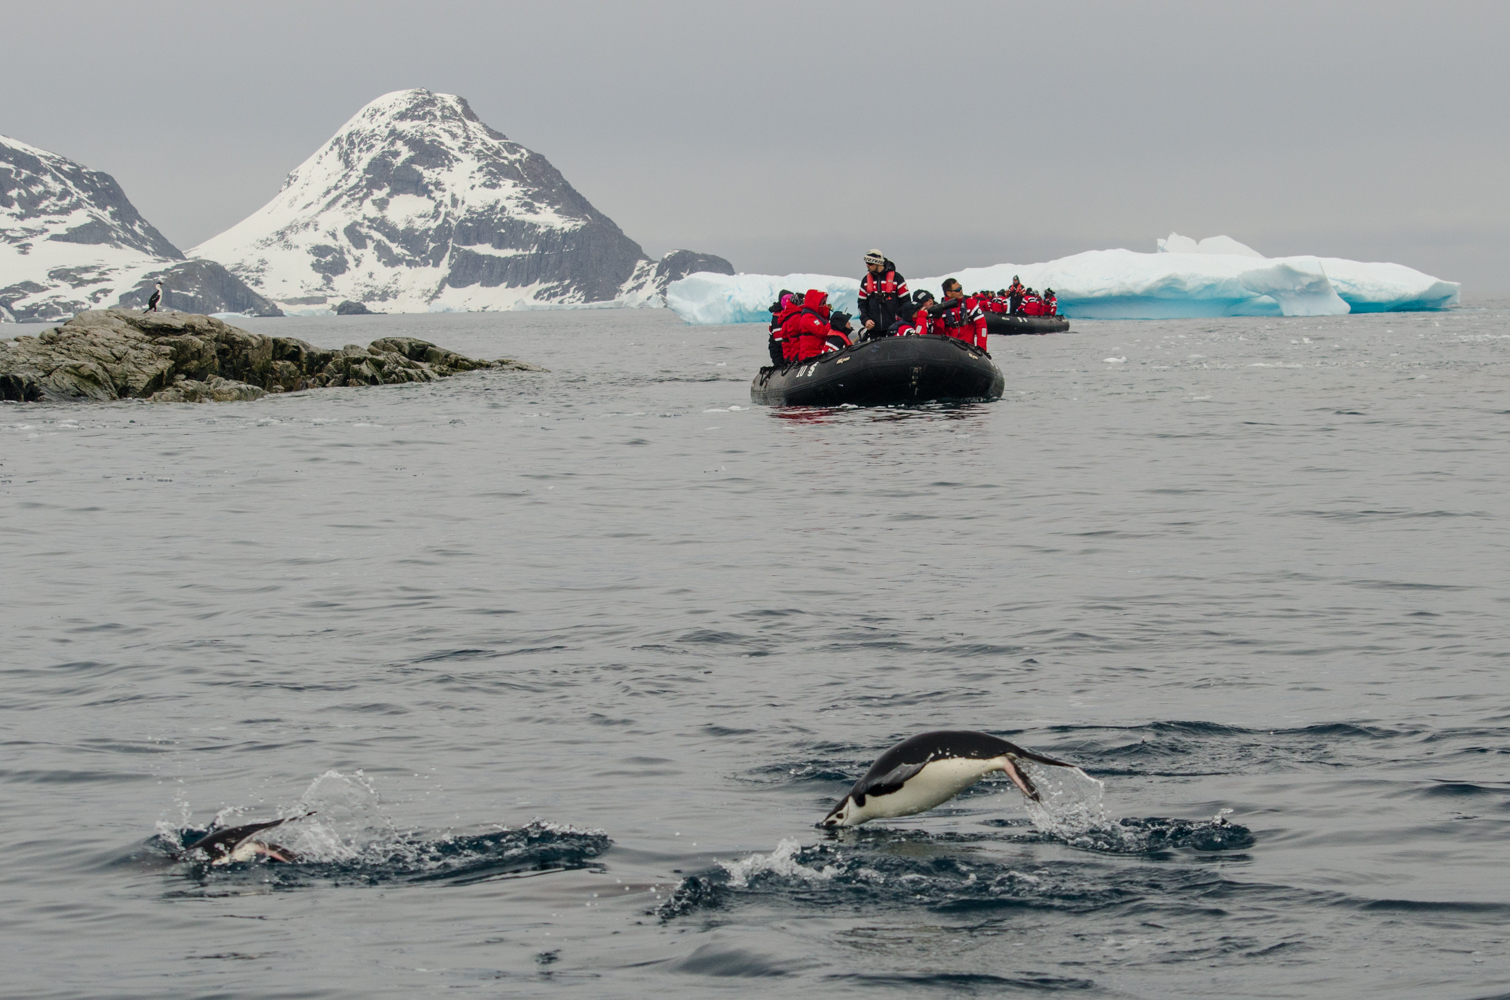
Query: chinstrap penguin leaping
{"points": [[242, 843], [928, 770]]}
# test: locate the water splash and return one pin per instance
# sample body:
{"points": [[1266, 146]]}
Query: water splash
{"points": [[1071, 809], [350, 839], [1070, 804], [899, 870], [348, 818], [782, 862]]}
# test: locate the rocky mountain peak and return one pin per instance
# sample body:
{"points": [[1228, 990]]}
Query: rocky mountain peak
{"points": [[44, 196], [71, 240], [416, 205]]}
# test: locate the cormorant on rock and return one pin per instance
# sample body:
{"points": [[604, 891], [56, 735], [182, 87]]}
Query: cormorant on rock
{"points": [[157, 296]]}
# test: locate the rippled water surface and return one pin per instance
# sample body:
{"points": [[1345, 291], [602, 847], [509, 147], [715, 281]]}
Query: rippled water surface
{"points": [[567, 665]]}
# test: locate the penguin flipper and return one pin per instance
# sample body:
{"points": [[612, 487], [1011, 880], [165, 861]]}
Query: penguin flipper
{"points": [[885, 784], [219, 843]]}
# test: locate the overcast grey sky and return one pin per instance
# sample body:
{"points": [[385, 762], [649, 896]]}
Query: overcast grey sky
{"points": [[791, 136]]}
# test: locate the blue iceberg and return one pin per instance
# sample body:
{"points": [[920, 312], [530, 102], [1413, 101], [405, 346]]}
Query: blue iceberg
{"points": [[1217, 276]]}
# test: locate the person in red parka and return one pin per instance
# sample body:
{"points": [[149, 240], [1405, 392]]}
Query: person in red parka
{"points": [[807, 329], [960, 319], [780, 309]]}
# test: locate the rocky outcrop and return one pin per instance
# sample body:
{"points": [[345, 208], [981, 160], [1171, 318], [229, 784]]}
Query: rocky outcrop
{"points": [[677, 264], [184, 357], [647, 286]]}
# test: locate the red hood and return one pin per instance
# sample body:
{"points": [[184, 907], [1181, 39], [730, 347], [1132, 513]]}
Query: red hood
{"points": [[815, 300]]}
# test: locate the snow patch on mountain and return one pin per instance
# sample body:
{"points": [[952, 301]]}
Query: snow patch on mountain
{"points": [[71, 240], [416, 205]]}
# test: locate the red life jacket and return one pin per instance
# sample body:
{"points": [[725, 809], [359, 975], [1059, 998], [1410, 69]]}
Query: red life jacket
{"points": [[886, 286], [963, 321], [883, 299], [1032, 305]]}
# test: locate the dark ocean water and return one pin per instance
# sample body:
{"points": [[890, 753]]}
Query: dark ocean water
{"points": [[569, 664]]}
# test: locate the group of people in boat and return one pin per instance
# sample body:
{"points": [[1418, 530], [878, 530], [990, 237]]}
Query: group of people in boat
{"points": [[1018, 300], [805, 326]]}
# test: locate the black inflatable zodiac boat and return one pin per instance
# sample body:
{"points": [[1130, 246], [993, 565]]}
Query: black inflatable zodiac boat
{"points": [[879, 372], [1007, 325]]}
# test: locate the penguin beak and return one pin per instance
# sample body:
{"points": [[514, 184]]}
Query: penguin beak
{"points": [[835, 818], [1020, 780]]}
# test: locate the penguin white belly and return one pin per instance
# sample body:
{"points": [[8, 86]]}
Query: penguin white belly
{"points": [[247, 850], [937, 783]]}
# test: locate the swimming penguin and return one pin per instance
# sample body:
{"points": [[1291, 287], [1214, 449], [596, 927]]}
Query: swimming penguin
{"points": [[928, 770], [242, 843], [157, 296]]}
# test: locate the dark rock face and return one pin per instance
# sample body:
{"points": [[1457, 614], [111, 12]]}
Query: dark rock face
{"points": [[199, 286], [679, 263], [183, 357], [350, 308]]}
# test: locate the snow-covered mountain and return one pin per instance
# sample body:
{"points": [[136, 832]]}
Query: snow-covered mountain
{"points": [[416, 205], [70, 240]]}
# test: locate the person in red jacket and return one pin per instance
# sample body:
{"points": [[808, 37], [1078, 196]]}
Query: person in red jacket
{"points": [[960, 319], [1050, 303], [808, 330], [780, 309]]}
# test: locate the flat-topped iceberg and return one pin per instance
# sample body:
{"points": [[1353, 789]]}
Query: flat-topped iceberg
{"points": [[1217, 276]]}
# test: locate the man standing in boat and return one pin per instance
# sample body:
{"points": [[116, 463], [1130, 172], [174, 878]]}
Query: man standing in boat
{"points": [[1015, 294], [883, 295]]}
